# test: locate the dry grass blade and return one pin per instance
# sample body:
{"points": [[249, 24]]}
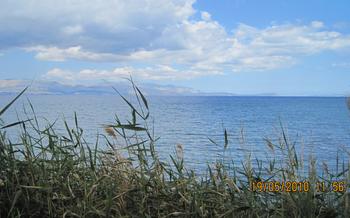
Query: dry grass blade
{"points": [[110, 131]]}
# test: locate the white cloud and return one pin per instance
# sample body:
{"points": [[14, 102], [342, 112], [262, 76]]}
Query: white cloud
{"points": [[145, 32], [7, 84], [97, 26], [86, 76], [205, 16], [54, 53], [341, 65], [317, 24], [72, 30], [205, 48]]}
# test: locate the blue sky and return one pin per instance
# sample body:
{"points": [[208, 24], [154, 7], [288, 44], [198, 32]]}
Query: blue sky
{"points": [[281, 47]]}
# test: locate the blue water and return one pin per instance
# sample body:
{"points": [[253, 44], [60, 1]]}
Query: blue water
{"points": [[319, 125]]}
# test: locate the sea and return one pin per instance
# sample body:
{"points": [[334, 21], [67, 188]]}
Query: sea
{"points": [[317, 126]]}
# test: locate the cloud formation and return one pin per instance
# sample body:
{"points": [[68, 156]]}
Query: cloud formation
{"points": [[164, 38], [97, 26], [160, 72]]}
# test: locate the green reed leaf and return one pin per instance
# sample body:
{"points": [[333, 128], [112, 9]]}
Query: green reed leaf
{"points": [[11, 102]]}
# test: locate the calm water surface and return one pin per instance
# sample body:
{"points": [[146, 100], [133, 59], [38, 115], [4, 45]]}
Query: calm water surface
{"points": [[319, 125]]}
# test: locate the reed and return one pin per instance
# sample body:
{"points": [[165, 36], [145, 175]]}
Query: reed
{"points": [[46, 174]]}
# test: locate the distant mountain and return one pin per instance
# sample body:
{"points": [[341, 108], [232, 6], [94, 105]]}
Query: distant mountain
{"points": [[51, 87]]}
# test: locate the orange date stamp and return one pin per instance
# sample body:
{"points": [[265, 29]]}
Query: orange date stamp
{"points": [[296, 186]]}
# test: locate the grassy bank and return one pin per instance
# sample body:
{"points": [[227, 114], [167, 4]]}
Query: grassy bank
{"points": [[46, 174]]}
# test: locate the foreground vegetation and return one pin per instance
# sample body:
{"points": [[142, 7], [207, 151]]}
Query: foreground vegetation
{"points": [[50, 174]]}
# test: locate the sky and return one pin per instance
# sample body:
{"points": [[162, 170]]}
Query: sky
{"points": [[272, 47]]}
